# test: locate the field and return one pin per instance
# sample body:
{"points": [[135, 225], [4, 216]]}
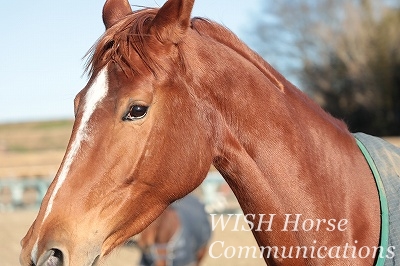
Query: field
{"points": [[32, 149], [35, 150]]}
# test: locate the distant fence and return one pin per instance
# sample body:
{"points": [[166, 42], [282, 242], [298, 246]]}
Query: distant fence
{"points": [[22, 193], [28, 192], [217, 195]]}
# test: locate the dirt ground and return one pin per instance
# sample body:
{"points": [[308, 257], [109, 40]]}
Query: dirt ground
{"points": [[13, 226]]}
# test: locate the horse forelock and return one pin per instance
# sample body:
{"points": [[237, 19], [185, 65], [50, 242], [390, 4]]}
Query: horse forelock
{"points": [[119, 42], [130, 34]]}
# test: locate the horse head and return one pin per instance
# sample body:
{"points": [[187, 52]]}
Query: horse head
{"points": [[128, 141]]}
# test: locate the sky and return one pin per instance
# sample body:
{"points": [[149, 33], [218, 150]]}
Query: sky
{"points": [[43, 43]]}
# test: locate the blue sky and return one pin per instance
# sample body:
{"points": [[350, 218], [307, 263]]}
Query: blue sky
{"points": [[43, 43]]}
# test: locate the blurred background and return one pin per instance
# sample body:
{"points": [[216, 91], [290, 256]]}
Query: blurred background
{"points": [[345, 54]]}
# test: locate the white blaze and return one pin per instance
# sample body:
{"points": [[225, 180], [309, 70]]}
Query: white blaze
{"points": [[94, 95]]}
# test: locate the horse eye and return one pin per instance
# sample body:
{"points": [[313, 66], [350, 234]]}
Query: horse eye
{"points": [[136, 112]]}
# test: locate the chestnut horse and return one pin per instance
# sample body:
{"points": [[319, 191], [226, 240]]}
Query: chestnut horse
{"points": [[168, 96]]}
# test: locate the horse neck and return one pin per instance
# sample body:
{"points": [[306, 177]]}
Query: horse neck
{"points": [[284, 139], [281, 153]]}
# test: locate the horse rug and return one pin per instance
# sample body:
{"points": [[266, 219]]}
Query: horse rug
{"points": [[386, 158], [192, 235]]}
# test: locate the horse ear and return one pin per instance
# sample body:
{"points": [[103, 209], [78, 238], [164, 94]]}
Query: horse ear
{"points": [[115, 10], [172, 20]]}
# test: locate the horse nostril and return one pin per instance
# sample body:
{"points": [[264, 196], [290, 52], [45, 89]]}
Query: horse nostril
{"points": [[53, 257], [58, 254], [56, 259]]}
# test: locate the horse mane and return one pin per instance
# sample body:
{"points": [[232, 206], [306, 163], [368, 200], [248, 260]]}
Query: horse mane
{"points": [[226, 37]]}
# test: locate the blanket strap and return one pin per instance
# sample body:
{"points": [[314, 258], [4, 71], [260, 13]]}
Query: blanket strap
{"points": [[384, 241]]}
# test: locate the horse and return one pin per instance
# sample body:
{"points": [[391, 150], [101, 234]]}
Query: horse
{"points": [[167, 97], [178, 237]]}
